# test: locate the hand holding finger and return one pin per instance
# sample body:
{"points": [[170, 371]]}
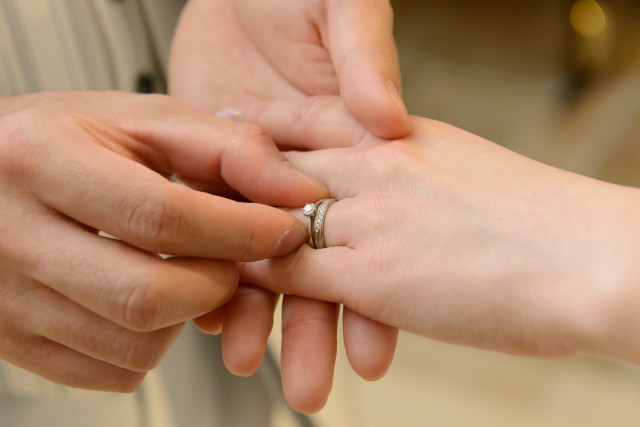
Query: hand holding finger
{"points": [[69, 169], [76, 178]]}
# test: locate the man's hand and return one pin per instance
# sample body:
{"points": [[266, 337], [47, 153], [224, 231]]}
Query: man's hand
{"points": [[95, 312]]}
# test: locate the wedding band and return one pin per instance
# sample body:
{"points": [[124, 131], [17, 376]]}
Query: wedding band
{"points": [[317, 212]]}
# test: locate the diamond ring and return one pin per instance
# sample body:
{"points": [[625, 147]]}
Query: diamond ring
{"points": [[317, 212]]}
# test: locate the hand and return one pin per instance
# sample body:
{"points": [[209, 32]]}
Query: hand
{"points": [[94, 312], [452, 237], [238, 53]]}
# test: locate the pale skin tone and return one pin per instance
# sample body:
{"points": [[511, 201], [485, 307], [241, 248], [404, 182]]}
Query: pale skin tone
{"points": [[94, 312], [452, 237], [242, 53]]}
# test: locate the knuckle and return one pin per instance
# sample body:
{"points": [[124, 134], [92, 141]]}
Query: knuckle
{"points": [[142, 306], [247, 245], [247, 131], [17, 146], [310, 320], [243, 134], [305, 114], [148, 219]]}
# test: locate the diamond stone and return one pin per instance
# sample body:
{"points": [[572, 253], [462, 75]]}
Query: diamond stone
{"points": [[309, 210]]}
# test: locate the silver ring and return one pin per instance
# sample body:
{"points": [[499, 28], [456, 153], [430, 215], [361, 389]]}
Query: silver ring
{"points": [[317, 212]]}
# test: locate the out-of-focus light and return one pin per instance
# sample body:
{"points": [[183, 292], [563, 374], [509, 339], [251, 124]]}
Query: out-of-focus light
{"points": [[587, 18]]}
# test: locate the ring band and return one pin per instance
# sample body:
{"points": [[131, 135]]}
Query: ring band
{"points": [[317, 212]]}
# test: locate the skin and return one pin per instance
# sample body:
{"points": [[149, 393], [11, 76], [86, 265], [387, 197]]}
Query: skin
{"points": [[452, 237], [94, 312], [239, 53], [232, 56]]}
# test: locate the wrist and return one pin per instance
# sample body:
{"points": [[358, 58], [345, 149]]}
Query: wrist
{"points": [[606, 319]]}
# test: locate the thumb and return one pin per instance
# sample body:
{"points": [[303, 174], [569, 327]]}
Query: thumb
{"points": [[364, 54], [217, 153]]}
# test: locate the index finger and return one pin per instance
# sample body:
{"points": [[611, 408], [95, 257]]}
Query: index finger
{"points": [[100, 170], [108, 192]]}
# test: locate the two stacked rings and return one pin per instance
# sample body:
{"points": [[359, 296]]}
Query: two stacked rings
{"points": [[317, 212]]}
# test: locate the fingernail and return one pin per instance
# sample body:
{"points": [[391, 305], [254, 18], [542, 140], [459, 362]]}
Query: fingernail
{"points": [[290, 240], [394, 92], [230, 113], [215, 331]]}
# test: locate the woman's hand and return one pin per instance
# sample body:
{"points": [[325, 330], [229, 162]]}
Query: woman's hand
{"points": [[94, 312], [238, 53], [452, 237]]}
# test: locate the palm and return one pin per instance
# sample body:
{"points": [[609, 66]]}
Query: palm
{"points": [[244, 62]]}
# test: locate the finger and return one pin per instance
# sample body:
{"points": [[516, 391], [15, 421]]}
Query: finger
{"points": [[339, 227], [147, 211], [244, 157], [211, 322], [248, 321], [365, 58], [312, 123], [369, 345], [205, 147], [338, 168], [311, 273], [308, 352], [217, 187], [68, 367], [59, 319], [132, 288]]}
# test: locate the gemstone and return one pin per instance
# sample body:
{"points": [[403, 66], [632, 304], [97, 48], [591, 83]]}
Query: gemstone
{"points": [[309, 210]]}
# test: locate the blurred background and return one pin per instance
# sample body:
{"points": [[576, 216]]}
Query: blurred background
{"points": [[555, 80]]}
